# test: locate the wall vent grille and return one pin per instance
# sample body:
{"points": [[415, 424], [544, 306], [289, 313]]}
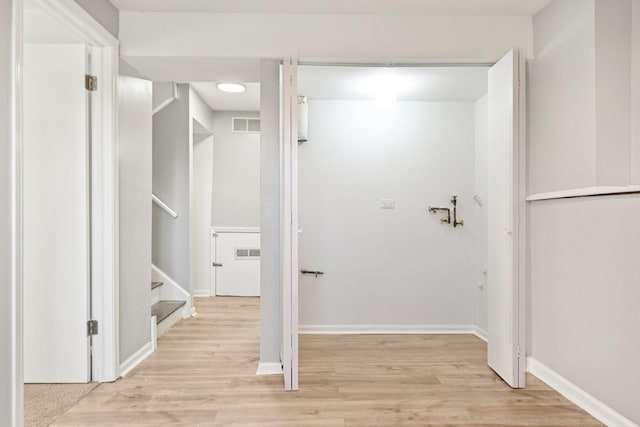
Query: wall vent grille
{"points": [[245, 125], [247, 253]]}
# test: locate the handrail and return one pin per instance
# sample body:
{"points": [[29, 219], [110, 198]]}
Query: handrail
{"points": [[174, 96], [164, 206], [586, 192]]}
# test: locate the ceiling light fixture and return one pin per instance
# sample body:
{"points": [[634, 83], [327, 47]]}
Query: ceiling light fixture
{"points": [[385, 87], [231, 87]]}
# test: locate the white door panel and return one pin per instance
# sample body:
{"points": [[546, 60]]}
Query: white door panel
{"points": [[239, 272], [56, 215], [502, 208]]}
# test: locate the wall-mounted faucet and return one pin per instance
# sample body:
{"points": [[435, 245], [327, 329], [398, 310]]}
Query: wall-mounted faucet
{"points": [[447, 220], [443, 209]]}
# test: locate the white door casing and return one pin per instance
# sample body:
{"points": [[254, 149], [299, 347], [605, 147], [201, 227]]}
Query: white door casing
{"points": [[505, 269], [238, 270], [289, 226], [104, 64], [56, 215]]}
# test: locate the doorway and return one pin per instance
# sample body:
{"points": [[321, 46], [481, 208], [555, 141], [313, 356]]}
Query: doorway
{"points": [[366, 266], [68, 199]]}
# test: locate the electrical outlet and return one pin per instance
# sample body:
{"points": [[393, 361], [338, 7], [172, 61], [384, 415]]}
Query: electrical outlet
{"points": [[388, 203]]}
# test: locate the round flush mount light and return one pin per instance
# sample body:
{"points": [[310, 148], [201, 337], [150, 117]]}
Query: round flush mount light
{"points": [[385, 87], [231, 87]]}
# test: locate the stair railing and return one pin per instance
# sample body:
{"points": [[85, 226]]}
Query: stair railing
{"points": [[164, 206]]}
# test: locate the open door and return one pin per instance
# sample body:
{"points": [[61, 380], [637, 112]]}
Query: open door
{"points": [[289, 352], [56, 215], [505, 182]]}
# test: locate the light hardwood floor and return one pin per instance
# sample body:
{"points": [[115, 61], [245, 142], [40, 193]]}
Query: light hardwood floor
{"points": [[203, 374]]}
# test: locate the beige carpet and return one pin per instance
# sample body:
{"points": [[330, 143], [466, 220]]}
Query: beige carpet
{"points": [[43, 403]]}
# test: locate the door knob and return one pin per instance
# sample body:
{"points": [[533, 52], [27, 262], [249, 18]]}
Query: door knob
{"points": [[216, 264]]}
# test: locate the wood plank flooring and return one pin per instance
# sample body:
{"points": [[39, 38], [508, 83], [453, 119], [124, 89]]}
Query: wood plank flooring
{"points": [[203, 374]]}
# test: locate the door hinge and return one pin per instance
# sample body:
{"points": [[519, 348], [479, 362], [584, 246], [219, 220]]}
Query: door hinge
{"points": [[518, 351], [90, 82], [92, 327]]}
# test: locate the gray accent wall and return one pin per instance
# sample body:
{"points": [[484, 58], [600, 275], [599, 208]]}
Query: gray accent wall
{"points": [[171, 184], [584, 262], [134, 176], [10, 392], [104, 12], [270, 320], [236, 173]]}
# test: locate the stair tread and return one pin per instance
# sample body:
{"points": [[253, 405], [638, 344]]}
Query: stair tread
{"points": [[156, 285], [164, 309]]}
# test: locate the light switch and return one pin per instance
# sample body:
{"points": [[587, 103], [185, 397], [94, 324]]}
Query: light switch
{"points": [[388, 203]]}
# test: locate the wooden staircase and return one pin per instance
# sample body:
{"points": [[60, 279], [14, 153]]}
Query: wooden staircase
{"points": [[166, 312]]}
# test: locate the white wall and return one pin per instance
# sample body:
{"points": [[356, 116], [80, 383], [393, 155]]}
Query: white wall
{"points": [[236, 173], [583, 272], [387, 267], [479, 38], [199, 110], [202, 183], [200, 127], [480, 212], [134, 192]]}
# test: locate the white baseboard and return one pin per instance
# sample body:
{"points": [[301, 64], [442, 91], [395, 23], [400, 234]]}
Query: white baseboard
{"points": [[578, 396], [386, 329], [200, 293], [136, 358], [154, 332], [269, 369], [481, 333]]}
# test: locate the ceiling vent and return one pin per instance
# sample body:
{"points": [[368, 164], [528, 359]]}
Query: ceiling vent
{"points": [[245, 125]]}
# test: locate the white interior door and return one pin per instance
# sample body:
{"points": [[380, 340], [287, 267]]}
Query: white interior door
{"points": [[56, 215], [236, 264], [505, 321], [289, 227]]}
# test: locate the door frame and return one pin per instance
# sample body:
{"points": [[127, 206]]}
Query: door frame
{"points": [[103, 47], [289, 214], [289, 223]]}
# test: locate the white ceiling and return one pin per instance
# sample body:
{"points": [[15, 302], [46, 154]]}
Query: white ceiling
{"points": [[415, 83], [186, 69], [223, 101], [339, 7]]}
